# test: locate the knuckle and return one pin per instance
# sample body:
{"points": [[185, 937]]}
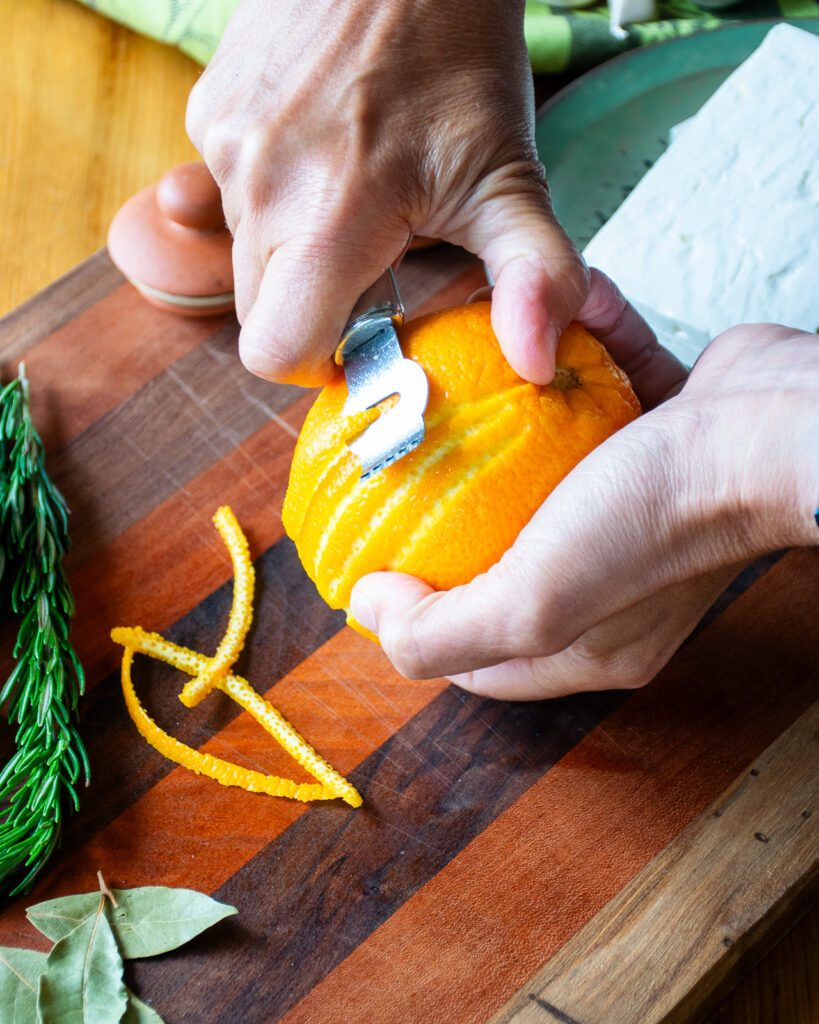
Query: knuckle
{"points": [[744, 346], [603, 668], [604, 302], [736, 340], [517, 177], [400, 641], [527, 177], [196, 115], [219, 149], [258, 169], [538, 624]]}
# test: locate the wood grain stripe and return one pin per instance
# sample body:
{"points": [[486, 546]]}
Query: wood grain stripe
{"points": [[341, 697], [537, 874], [68, 393], [418, 815], [153, 444], [68, 297], [277, 646], [167, 562], [332, 878], [719, 892], [437, 278]]}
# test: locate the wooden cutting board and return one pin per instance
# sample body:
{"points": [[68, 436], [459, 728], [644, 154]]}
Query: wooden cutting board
{"points": [[602, 859]]}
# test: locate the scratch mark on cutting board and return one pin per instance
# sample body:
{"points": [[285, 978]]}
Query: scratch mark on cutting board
{"points": [[564, 1018], [271, 413]]}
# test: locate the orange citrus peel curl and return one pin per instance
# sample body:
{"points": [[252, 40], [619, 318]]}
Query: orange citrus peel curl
{"points": [[215, 672], [330, 783], [241, 611]]}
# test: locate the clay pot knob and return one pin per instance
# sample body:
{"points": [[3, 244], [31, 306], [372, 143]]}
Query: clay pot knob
{"points": [[188, 195], [170, 240]]}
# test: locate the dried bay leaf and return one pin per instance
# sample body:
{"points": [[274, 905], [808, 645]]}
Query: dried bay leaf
{"points": [[20, 971], [146, 921], [56, 918], [139, 1012], [82, 982]]}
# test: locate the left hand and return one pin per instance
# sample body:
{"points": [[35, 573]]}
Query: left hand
{"points": [[337, 130], [623, 559]]}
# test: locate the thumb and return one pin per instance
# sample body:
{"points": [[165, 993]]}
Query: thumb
{"points": [[541, 281], [307, 291], [427, 633]]}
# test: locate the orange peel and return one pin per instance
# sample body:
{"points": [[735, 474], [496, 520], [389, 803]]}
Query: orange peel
{"points": [[241, 611], [332, 783], [224, 772], [215, 672]]}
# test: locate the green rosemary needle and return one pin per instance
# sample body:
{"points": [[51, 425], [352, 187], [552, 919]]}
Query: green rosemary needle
{"points": [[41, 692]]}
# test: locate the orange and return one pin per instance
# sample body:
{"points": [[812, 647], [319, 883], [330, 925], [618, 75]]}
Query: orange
{"points": [[495, 447]]}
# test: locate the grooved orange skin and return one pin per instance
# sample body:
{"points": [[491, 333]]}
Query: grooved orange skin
{"points": [[495, 448]]}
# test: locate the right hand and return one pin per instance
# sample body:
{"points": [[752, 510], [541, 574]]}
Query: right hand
{"points": [[336, 131], [632, 547]]}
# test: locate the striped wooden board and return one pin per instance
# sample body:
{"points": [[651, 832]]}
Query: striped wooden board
{"points": [[668, 831]]}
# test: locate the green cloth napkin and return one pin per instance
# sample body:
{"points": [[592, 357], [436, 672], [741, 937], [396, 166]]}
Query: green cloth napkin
{"points": [[558, 40]]}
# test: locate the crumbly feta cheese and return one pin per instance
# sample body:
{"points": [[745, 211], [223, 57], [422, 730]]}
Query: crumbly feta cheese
{"points": [[724, 228]]}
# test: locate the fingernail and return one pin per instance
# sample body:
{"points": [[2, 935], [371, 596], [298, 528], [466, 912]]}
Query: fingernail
{"points": [[362, 611]]}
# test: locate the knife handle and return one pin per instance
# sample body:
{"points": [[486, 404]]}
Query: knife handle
{"points": [[379, 306]]}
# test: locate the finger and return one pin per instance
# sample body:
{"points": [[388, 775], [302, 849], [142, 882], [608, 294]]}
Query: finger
{"points": [[248, 271], [624, 652], [540, 278], [654, 372], [427, 633], [309, 287], [645, 510]]}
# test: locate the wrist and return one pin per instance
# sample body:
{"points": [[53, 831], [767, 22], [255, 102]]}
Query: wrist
{"points": [[772, 473], [792, 493]]}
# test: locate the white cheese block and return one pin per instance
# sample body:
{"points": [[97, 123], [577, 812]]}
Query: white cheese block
{"points": [[724, 228]]}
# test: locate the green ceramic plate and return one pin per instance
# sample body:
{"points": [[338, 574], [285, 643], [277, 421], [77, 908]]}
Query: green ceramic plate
{"points": [[598, 137]]}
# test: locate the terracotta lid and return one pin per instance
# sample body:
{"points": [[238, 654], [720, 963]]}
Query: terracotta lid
{"points": [[171, 242]]}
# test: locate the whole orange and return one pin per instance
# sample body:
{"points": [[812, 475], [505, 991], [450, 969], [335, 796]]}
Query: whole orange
{"points": [[495, 447]]}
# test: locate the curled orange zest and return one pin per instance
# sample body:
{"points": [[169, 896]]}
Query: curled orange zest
{"points": [[241, 611], [225, 772], [209, 673], [270, 718]]}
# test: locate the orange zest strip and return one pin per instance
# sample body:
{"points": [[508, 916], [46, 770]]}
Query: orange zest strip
{"points": [[270, 718], [241, 611], [224, 772]]}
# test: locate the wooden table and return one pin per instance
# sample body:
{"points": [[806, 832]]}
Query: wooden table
{"points": [[102, 117]]}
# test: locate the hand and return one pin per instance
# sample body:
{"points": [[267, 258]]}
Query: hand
{"points": [[338, 130], [625, 556]]}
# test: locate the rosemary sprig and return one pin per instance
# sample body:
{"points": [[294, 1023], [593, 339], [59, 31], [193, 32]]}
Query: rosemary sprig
{"points": [[40, 694]]}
